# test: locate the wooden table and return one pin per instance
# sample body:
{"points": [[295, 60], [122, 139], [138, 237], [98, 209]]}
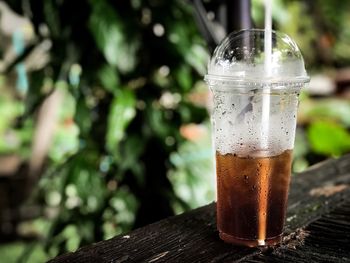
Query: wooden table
{"points": [[317, 229]]}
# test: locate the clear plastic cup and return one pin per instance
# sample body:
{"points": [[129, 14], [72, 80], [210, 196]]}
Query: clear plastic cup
{"points": [[254, 121]]}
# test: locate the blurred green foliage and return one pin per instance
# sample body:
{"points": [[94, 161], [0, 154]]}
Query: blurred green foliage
{"points": [[321, 141], [192, 175], [328, 130], [14, 141], [127, 70]]}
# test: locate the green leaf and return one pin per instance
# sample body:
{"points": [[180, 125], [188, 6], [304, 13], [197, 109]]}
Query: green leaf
{"points": [[72, 236], [84, 186], [183, 38], [329, 138], [184, 77], [125, 204], [159, 126], [192, 175], [121, 113], [197, 57], [109, 78], [330, 109], [118, 46], [65, 141], [131, 151], [12, 252]]}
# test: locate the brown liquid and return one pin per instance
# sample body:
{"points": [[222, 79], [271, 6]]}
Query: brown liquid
{"points": [[252, 197]]}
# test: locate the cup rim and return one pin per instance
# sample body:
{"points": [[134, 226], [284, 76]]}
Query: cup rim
{"points": [[300, 80]]}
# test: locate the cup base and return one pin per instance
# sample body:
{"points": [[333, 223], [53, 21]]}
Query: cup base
{"points": [[250, 242]]}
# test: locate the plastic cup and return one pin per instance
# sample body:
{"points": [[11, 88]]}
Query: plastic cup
{"points": [[254, 121]]}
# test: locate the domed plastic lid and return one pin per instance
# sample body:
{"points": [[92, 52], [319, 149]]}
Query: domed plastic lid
{"points": [[241, 59]]}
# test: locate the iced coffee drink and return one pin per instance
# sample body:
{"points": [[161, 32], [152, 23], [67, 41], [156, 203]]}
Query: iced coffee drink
{"points": [[254, 120], [252, 197]]}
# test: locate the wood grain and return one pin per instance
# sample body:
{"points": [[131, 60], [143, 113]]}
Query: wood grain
{"points": [[317, 230]]}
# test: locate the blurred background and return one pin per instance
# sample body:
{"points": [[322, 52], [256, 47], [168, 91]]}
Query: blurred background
{"points": [[104, 113]]}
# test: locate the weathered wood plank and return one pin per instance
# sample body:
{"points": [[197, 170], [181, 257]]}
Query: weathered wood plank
{"points": [[317, 221], [326, 240]]}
